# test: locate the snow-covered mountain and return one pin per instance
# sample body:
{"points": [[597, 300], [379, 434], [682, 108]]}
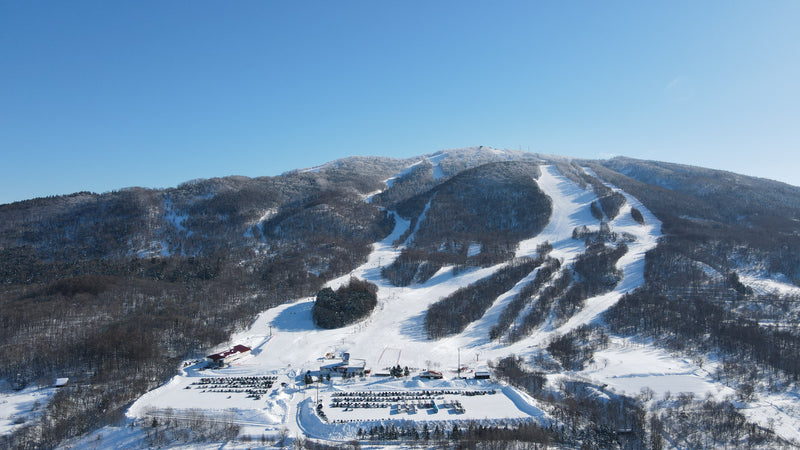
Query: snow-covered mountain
{"points": [[613, 303]]}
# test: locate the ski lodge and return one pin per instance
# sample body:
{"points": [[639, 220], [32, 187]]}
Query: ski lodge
{"points": [[482, 373], [344, 366], [230, 355]]}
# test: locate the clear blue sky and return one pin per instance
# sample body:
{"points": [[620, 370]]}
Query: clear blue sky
{"points": [[98, 95]]}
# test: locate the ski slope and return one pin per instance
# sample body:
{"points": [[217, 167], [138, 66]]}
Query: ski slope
{"points": [[286, 342]]}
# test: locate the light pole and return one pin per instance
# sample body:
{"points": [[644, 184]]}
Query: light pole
{"points": [[458, 370]]}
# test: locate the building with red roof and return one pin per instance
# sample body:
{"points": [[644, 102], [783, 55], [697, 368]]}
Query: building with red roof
{"points": [[230, 355]]}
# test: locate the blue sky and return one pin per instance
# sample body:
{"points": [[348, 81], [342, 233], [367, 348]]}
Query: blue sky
{"points": [[98, 95]]}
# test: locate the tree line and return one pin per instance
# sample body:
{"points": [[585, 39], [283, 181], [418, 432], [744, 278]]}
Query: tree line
{"points": [[544, 273], [452, 314]]}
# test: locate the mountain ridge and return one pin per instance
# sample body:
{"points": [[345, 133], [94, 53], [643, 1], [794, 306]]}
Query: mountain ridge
{"points": [[173, 272]]}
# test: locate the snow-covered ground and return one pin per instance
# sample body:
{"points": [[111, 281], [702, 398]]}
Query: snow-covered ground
{"points": [[436, 159], [627, 367], [762, 285], [20, 407], [780, 412], [286, 343]]}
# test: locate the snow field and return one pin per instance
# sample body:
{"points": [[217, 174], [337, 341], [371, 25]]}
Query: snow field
{"points": [[627, 367], [762, 285], [18, 408]]}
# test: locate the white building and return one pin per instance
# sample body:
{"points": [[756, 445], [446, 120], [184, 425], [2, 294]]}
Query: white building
{"points": [[345, 365]]}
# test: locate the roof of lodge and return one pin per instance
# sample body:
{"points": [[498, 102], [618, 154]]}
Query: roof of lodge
{"points": [[231, 351]]}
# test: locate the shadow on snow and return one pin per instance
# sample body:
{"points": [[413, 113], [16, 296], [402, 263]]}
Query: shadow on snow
{"points": [[295, 318]]}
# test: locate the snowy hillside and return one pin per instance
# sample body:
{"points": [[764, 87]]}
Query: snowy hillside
{"points": [[286, 343], [559, 329]]}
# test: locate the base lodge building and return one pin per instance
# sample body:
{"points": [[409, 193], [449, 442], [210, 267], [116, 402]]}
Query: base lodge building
{"points": [[230, 355]]}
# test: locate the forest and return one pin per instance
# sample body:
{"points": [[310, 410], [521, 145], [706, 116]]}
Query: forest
{"points": [[114, 290], [491, 208], [453, 313], [685, 306], [346, 305], [595, 418]]}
